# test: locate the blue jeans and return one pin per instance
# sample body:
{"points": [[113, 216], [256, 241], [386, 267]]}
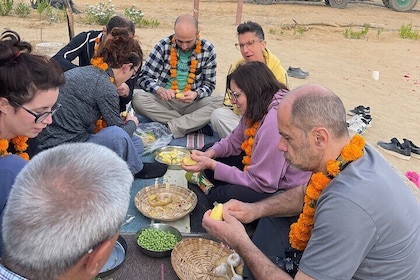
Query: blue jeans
{"points": [[128, 148]]}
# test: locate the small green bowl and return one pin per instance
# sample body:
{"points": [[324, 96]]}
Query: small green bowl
{"points": [[162, 227]]}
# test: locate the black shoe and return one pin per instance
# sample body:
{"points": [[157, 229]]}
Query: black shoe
{"points": [[395, 148], [206, 130], [151, 170], [415, 150], [367, 119], [359, 110]]}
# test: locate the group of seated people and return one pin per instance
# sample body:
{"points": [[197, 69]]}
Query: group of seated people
{"points": [[285, 158]]}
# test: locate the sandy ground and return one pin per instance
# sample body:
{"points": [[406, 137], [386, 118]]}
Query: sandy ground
{"points": [[343, 65]]}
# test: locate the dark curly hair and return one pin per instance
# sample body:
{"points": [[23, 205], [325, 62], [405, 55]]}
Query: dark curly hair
{"points": [[120, 49]]}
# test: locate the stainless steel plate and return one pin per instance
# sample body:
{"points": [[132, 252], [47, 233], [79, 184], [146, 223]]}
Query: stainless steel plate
{"points": [[171, 155]]}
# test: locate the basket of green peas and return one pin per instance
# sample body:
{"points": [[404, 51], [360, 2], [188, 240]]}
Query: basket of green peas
{"points": [[157, 240]]}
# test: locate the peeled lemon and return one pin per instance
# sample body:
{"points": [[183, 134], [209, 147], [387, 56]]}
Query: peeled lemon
{"points": [[187, 160], [217, 212]]}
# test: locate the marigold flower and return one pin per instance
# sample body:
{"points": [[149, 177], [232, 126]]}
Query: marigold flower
{"points": [[19, 144], [25, 156], [319, 181], [248, 150], [100, 124], [308, 210], [333, 167], [312, 192], [246, 160], [4, 145]]}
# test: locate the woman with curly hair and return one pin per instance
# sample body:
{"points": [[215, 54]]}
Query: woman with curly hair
{"points": [[91, 111]]}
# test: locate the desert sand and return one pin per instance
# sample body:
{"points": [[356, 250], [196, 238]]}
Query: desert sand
{"points": [[309, 35]]}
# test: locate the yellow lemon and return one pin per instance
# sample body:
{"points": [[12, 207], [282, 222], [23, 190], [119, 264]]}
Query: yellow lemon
{"points": [[217, 212], [187, 160]]}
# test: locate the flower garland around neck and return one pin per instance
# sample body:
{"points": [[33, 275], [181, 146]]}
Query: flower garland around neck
{"points": [[96, 47], [300, 232], [173, 61], [19, 144], [98, 62], [248, 143]]}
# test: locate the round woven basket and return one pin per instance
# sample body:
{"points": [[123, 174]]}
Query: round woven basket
{"points": [[183, 202], [194, 258]]}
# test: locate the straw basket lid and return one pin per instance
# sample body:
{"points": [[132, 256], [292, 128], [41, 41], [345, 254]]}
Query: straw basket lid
{"points": [[181, 202], [194, 258]]}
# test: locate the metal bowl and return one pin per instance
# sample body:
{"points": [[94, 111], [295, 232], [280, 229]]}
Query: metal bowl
{"points": [[116, 258], [162, 227], [171, 155]]}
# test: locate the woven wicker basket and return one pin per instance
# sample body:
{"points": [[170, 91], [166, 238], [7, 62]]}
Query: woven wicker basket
{"points": [[194, 258], [183, 202]]}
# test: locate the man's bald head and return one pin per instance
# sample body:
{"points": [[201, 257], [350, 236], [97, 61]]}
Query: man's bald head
{"points": [[312, 106], [187, 21]]}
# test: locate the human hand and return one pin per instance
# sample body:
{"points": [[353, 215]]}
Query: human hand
{"points": [[230, 230], [189, 96], [203, 162], [131, 117], [242, 211], [165, 94], [123, 90]]}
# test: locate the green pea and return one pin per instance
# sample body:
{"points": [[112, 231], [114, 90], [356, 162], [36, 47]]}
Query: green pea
{"points": [[156, 240]]}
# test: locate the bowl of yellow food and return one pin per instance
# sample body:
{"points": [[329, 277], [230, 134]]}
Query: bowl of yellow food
{"points": [[172, 156]]}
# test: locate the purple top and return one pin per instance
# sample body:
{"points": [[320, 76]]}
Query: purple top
{"points": [[268, 171]]}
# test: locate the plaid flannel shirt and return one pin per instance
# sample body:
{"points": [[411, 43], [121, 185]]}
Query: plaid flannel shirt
{"points": [[6, 274], [155, 72]]}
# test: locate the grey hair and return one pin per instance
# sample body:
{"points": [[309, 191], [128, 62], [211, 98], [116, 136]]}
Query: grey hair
{"points": [[319, 106], [66, 200]]}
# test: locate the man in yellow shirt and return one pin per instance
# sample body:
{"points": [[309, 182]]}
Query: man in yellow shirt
{"points": [[252, 44]]}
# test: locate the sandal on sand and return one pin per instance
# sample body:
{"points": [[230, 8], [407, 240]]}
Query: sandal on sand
{"points": [[413, 177]]}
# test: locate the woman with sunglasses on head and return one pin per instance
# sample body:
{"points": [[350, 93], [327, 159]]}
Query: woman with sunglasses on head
{"points": [[91, 111], [29, 86], [247, 164]]}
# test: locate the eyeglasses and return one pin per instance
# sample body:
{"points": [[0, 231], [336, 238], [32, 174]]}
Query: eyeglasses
{"points": [[135, 72], [249, 44], [41, 116], [233, 95]]}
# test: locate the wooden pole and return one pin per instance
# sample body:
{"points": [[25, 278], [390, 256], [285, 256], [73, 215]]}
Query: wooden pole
{"points": [[239, 12], [70, 20], [195, 10]]}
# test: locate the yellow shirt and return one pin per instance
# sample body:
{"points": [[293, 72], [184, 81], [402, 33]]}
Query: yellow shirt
{"points": [[272, 62]]}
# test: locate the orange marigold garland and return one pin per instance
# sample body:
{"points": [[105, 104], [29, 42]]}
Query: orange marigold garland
{"points": [[98, 62], [173, 61], [248, 143], [19, 144], [300, 232], [96, 47]]}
